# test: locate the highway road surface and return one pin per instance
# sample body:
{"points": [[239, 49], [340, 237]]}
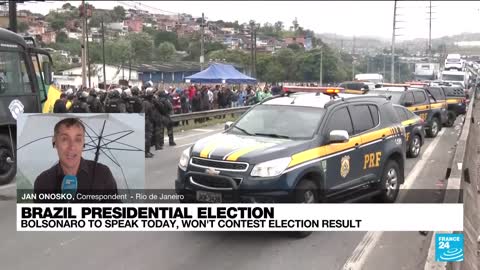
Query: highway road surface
{"points": [[228, 250]]}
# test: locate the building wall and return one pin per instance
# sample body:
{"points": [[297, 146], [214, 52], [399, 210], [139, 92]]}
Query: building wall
{"points": [[113, 73]]}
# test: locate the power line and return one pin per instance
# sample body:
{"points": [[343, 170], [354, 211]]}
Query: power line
{"points": [[137, 6]]}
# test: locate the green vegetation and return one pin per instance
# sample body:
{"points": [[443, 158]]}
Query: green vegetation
{"points": [[293, 63]]}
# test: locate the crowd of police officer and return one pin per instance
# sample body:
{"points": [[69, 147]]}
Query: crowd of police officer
{"points": [[154, 102]]}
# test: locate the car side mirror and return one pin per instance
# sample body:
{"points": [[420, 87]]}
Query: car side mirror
{"points": [[408, 104], [228, 125], [338, 136], [47, 72]]}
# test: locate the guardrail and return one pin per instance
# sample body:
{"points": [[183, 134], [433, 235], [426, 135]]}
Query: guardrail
{"points": [[209, 113], [463, 187]]}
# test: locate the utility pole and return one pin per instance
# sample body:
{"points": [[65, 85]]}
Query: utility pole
{"points": [[353, 59], [384, 61], [254, 51], [202, 41], [368, 64], [87, 50], [392, 75], [103, 54], [430, 34], [12, 13], [252, 24], [321, 66], [84, 69]]}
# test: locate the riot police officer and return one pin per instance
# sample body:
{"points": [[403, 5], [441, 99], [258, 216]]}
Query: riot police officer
{"points": [[149, 120], [80, 105], [167, 122], [135, 101], [94, 102], [114, 103]]}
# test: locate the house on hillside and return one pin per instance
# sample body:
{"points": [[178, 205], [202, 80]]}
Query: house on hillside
{"points": [[300, 40], [134, 25], [49, 37]]}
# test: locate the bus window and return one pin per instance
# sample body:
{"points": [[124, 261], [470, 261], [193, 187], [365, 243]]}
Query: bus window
{"points": [[14, 78]]}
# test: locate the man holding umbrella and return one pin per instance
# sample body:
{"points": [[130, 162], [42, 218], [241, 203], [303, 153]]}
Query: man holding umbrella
{"points": [[85, 176]]}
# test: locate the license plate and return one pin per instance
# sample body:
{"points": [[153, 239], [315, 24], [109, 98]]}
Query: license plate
{"points": [[207, 196]]}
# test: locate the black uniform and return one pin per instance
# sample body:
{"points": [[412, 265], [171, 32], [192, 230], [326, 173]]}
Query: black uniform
{"points": [[95, 104], [166, 120], [60, 106], [80, 106], [149, 120], [115, 104], [158, 122]]}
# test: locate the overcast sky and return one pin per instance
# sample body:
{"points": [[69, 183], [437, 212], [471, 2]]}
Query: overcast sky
{"points": [[360, 18]]}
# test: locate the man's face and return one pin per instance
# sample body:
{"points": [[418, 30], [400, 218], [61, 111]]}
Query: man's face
{"points": [[69, 143]]}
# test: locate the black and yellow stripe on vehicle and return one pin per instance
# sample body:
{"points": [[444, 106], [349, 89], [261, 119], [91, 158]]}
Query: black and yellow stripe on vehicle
{"points": [[326, 151], [455, 100]]}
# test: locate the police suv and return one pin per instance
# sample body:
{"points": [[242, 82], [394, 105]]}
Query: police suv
{"points": [[420, 102], [300, 147]]}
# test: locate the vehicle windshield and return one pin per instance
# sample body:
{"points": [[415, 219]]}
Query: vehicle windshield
{"points": [[453, 60], [452, 77], [13, 74], [395, 96], [289, 122]]}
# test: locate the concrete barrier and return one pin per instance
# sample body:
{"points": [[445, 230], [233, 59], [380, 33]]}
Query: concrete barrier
{"points": [[466, 168], [463, 186]]}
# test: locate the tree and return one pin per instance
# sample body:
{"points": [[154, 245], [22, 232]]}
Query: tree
{"points": [[164, 36], [278, 27], [22, 27], [62, 37], [214, 46], [141, 45], [60, 62], [67, 6], [165, 51], [182, 44], [295, 47], [57, 24], [119, 13]]}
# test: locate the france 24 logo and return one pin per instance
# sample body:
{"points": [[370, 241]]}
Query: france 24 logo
{"points": [[449, 247]]}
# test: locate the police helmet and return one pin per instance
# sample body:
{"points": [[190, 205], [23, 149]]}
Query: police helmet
{"points": [[149, 91]]}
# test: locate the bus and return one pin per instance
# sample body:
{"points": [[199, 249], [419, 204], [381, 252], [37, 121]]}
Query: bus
{"points": [[25, 73]]}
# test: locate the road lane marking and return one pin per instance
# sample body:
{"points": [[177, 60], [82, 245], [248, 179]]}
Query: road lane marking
{"points": [[204, 130], [370, 239], [183, 145], [192, 135]]}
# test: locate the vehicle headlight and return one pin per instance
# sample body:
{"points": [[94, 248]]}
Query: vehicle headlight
{"points": [[271, 168], [184, 158]]}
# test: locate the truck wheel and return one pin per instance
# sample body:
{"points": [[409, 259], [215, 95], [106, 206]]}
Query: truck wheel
{"points": [[305, 192], [414, 147], [451, 118], [434, 128], [390, 183], [7, 170]]}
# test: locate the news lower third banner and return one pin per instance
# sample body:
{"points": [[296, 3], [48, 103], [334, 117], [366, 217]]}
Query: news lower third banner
{"points": [[240, 217]]}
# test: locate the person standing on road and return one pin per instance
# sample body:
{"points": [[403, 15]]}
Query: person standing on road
{"points": [[166, 120], [149, 120], [60, 105], [159, 110]]}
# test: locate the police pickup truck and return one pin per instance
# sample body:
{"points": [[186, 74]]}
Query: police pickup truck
{"points": [[309, 145]]}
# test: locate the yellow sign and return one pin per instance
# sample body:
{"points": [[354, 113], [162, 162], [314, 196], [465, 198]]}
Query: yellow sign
{"points": [[345, 166]]}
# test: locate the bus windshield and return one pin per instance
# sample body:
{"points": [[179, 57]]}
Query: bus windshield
{"points": [[14, 78]]}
